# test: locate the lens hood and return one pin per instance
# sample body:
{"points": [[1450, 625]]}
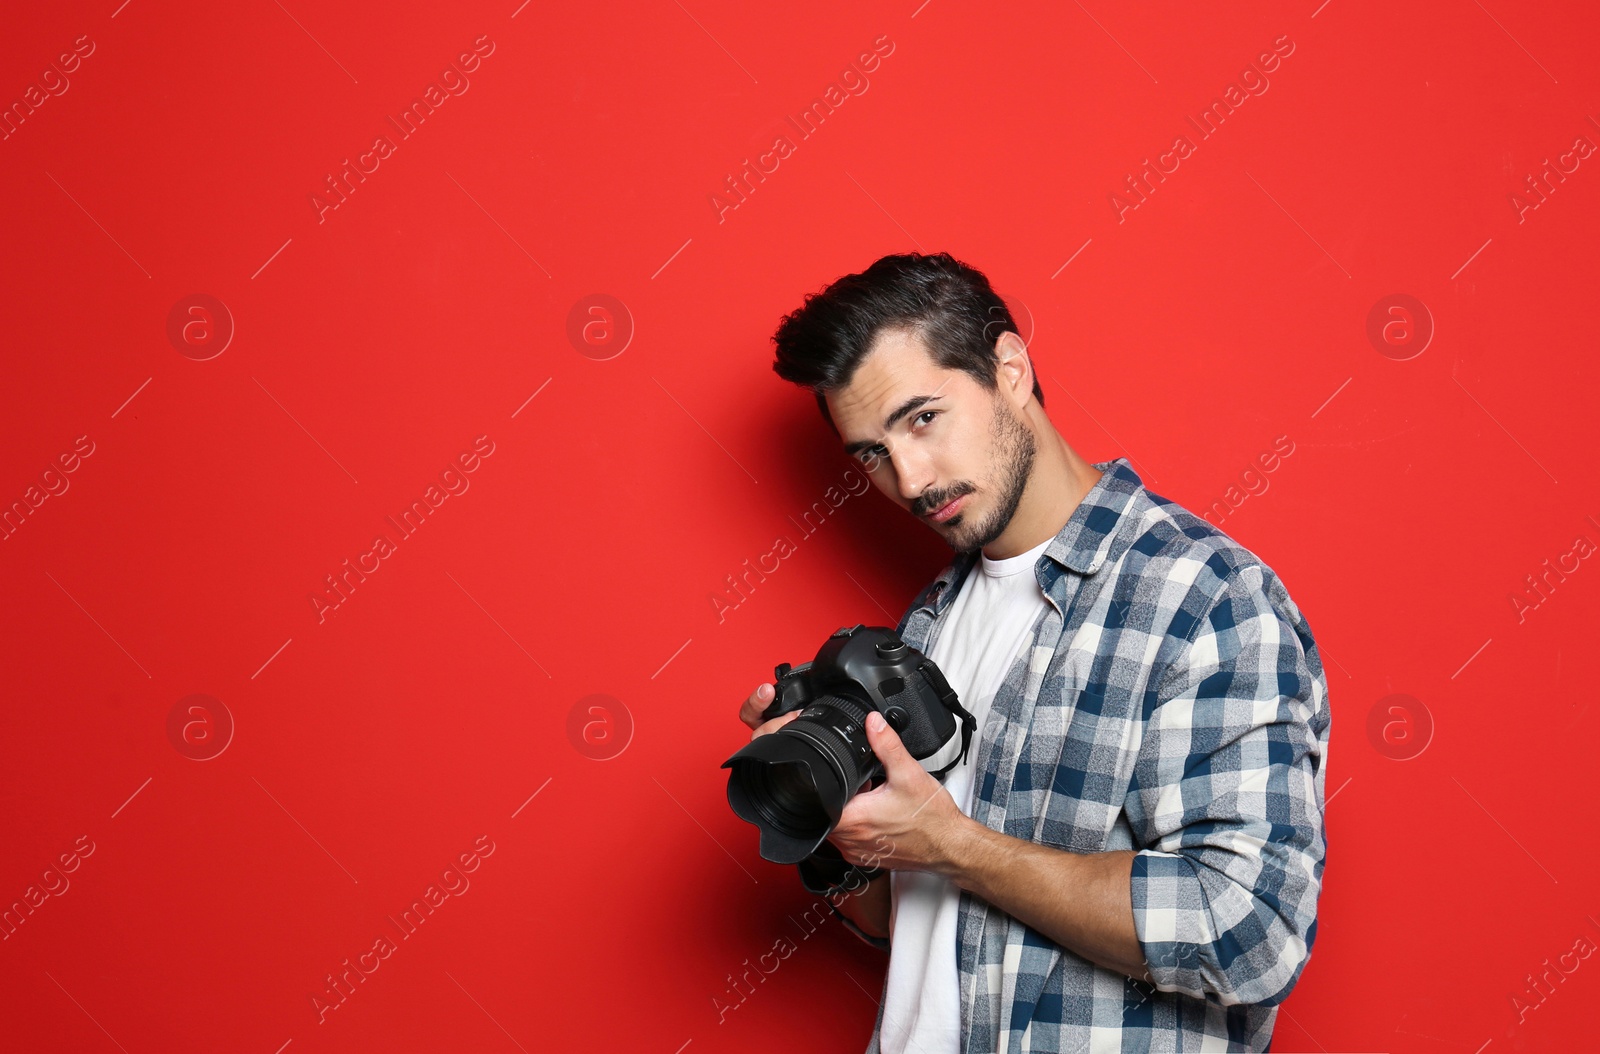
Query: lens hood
{"points": [[793, 836]]}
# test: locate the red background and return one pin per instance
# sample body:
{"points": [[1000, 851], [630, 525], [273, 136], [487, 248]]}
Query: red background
{"points": [[374, 342]]}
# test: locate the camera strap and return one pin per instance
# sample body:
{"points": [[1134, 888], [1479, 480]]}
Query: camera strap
{"points": [[969, 724]]}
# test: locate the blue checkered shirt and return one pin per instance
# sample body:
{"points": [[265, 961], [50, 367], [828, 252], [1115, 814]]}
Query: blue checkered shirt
{"points": [[1172, 702]]}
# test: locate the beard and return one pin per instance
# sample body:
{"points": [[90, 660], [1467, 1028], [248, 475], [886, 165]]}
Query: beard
{"points": [[1014, 449]]}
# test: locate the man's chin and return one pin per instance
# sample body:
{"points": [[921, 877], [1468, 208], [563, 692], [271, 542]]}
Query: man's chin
{"points": [[958, 537]]}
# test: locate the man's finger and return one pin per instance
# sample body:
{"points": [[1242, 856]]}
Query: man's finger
{"points": [[751, 710], [776, 723], [886, 744]]}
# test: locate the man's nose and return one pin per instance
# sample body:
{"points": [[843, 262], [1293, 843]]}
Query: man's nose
{"points": [[911, 472]]}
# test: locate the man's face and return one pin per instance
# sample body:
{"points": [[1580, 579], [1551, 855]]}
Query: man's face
{"points": [[950, 440]]}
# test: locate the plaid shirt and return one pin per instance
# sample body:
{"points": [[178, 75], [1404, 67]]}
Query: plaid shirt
{"points": [[1173, 702]]}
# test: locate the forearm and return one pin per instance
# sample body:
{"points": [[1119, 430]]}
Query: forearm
{"points": [[1079, 900], [869, 907]]}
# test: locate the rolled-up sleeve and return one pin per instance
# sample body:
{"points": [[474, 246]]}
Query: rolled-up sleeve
{"points": [[1227, 803]]}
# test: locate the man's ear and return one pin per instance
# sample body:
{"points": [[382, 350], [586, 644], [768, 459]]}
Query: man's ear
{"points": [[1015, 368]]}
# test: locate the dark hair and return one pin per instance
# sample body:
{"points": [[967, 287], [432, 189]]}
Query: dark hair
{"points": [[947, 304]]}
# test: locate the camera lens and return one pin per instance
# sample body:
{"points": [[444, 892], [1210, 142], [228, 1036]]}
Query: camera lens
{"points": [[786, 795], [794, 782]]}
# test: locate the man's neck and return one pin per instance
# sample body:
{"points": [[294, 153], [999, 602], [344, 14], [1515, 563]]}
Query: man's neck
{"points": [[1060, 481]]}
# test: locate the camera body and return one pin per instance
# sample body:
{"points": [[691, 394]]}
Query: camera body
{"points": [[863, 669], [794, 783]]}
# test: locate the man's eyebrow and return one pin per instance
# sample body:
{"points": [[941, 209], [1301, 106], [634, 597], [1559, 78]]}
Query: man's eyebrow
{"points": [[910, 405]]}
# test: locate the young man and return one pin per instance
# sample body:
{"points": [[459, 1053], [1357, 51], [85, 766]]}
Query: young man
{"points": [[1130, 857]]}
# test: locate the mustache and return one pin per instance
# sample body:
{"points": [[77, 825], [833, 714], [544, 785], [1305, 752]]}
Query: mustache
{"points": [[926, 506]]}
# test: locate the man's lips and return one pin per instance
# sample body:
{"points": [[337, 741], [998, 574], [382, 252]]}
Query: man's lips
{"points": [[944, 512]]}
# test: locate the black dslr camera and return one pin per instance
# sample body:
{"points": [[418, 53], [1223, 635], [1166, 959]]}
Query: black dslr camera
{"points": [[794, 783]]}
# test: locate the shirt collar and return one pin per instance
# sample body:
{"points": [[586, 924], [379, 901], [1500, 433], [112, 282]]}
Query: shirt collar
{"points": [[1082, 545]]}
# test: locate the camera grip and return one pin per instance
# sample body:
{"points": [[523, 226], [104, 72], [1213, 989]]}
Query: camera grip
{"points": [[790, 690], [824, 871]]}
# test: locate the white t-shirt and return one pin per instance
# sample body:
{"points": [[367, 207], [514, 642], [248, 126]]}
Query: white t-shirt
{"points": [[982, 633]]}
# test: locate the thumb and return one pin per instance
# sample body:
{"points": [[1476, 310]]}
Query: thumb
{"points": [[885, 743]]}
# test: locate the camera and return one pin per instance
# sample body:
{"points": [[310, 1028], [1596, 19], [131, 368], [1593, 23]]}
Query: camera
{"points": [[794, 783]]}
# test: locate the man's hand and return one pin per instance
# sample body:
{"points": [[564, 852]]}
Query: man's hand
{"points": [[910, 812], [751, 710], [910, 822]]}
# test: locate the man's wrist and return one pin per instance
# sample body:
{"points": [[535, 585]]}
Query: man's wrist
{"points": [[957, 847]]}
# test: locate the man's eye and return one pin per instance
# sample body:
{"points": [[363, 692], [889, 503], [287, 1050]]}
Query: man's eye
{"points": [[880, 453]]}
